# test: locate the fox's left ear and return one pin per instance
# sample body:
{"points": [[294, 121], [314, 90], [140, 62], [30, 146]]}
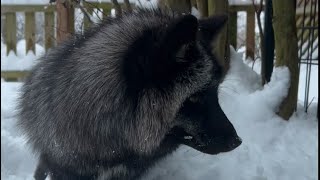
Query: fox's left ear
{"points": [[209, 28]]}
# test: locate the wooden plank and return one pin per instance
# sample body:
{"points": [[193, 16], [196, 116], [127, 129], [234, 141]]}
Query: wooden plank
{"points": [[233, 29], [86, 21], [27, 8], [49, 30], [14, 74], [202, 6], [250, 34], [65, 20], [11, 32], [102, 5], [71, 20], [30, 31], [243, 7]]}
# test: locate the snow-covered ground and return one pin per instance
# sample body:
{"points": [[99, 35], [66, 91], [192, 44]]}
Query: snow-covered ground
{"points": [[272, 148]]}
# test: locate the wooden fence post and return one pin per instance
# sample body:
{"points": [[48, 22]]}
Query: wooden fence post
{"points": [[11, 32], [86, 21], [29, 31], [250, 34], [49, 30], [233, 28], [65, 20]]}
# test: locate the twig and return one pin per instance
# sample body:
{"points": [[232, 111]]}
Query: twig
{"points": [[258, 10]]}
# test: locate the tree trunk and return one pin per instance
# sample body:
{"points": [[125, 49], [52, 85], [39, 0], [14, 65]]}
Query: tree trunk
{"points": [[222, 43], [286, 46], [65, 20]]}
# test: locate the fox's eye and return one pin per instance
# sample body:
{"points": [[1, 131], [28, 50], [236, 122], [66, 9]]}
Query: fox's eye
{"points": [[180, 56]]}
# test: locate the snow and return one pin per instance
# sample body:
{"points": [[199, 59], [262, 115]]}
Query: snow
{"points": [[21, 61], [314, 79], [272, 148]]}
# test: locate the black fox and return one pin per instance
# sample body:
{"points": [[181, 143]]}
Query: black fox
{"points": [[110, 103]]}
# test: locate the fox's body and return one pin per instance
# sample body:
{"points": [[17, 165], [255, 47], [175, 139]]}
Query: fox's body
{"points": [[113, 101]]}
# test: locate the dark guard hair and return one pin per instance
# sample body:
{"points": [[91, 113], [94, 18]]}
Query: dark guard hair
{"points": [[110, 103]]}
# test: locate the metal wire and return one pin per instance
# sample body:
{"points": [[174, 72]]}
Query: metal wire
{"points": [[308, 45]]}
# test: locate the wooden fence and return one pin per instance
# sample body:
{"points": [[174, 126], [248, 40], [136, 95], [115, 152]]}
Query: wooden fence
{"points": [[9, 13]]}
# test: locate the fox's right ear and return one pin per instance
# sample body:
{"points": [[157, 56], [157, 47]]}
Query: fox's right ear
{"points": [[209, 28]]}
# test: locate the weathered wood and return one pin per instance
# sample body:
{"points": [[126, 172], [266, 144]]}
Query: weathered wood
{"points": [[49, 30], [243, 7], [11, 32], [181, 6], [13, 75], [194, 3], [27, 8], [86, 21], [222, 43], [65, 20], [203, 8], [250, 33], [106, 11], [233, 28], [30, 31], [286, 46], [71, 19]]}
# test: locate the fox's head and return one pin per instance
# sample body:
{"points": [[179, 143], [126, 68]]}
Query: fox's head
{"points": [[172, 65]]}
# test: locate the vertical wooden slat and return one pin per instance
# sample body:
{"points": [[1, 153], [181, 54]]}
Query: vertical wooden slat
{"points": [[71, 20], [202, 6], [86, 21], [106, 10], [233, 29], [49, 30], [30, 31], [250, 43], [11, 32]]}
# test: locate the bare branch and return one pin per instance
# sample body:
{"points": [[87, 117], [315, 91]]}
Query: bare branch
{"points": [[83, 10], [258, 10]]}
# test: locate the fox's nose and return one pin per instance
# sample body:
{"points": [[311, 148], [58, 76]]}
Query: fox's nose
{"points": [[234, 142]]}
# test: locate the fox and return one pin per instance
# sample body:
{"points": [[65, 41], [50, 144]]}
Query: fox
{"points": [[112, 102]]}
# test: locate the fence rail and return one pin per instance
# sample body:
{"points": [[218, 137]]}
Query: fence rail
{"points": [[9, 13]]}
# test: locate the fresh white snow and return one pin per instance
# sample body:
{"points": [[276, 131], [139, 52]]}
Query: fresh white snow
{"points": [[272, 148], [22, 60]]}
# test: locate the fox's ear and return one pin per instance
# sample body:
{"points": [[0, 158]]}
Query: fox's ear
{"points": [[181, 32], [151, 57], [210, 28]]}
